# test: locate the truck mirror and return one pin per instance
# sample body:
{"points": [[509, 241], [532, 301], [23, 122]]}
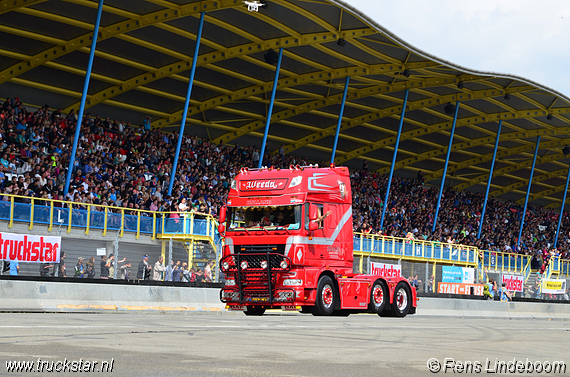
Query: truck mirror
{"points": [[222, 215], [313, 212], [221, 228], [313, 226]]}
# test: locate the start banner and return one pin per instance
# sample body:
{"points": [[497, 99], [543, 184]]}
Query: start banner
{"points": [[555, 286], [386, 269], [460, 288], [28, 248], [513, 282]]}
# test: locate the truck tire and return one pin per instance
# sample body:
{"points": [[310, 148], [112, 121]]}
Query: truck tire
{"points": [[378, 297], [254, 310], [326, 296], [402, 300]]}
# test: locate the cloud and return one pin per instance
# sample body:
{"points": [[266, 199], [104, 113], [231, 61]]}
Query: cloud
{"points": [[522, 37]]}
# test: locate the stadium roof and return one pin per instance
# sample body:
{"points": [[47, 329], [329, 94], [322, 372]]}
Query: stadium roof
{"points": [[142, 63]]}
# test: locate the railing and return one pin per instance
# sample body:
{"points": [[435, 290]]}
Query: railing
{"points": [[85, 216], [402, 248], [527, 270], [367, 245]]}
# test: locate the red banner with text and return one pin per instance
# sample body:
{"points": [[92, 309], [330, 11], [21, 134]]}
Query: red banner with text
{"points": [[29, 248]]}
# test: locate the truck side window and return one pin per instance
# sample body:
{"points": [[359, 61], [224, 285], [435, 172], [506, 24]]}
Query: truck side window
{"points": [[320, 215]]}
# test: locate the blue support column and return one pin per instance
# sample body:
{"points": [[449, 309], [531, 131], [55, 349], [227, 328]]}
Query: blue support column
{"points": [[489, 180], [83, 98], [394, 159], [340, 118], [186, 104], [562, 209], [528, 190], [270, 110], [445, 166]]}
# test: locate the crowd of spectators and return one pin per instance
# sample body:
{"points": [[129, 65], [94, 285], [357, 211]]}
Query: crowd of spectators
{"points": [[125, 166]]}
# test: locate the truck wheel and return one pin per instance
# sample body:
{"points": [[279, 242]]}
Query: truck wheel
{"points": [[325, 296], [378, 297], [402, 300], [254, 310]]}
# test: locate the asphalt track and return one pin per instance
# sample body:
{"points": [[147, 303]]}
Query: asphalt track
{"points": [[155, 344]]}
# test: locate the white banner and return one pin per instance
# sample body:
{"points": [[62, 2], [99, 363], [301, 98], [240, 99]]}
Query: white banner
{"points": [[28, 248], [513, 282], [386, 270], [555, 286]]}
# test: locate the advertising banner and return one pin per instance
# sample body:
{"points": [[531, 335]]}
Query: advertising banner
{"points": [[555, 286], [452, 274], [460, 288], [386, 270], [513, 282], [29, 248]]}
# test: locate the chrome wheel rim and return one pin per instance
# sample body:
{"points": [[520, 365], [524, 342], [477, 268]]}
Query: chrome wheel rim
{"points": [[401, 299], [378, 295], [327, 295]]}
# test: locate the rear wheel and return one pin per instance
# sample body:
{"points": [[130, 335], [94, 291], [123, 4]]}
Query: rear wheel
{"points": [[326, 298], [402, 300], [378, 297], [254, 310]]}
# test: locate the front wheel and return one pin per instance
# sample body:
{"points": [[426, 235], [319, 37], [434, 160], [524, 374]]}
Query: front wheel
{"points": [[254, 310], [325, 296]]}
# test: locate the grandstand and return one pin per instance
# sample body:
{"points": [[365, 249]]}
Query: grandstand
{"points": [[442, 119]]}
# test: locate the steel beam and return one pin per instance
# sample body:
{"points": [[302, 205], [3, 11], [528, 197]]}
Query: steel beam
{"points": [[528, 190], [445, 166], [489, 181], [347, 80], [387, 197], [562, 208], [270, 109], [83, 98], [186, 103]]}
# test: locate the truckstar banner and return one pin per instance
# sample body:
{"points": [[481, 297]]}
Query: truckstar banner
{"points": [[452, 274], [386, 270], [28, 248], [513, 282], [555, 286]]}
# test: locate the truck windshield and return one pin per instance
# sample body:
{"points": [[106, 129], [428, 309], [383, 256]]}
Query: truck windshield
{"points": [[264, 218]]}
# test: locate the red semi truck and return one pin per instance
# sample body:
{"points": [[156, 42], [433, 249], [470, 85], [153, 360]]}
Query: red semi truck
{"points": [[289, 245]]}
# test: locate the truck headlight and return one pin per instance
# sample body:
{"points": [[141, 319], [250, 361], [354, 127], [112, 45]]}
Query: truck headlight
{"points": [[263, 264], [225, 266], [243, 265], [284, 264]]}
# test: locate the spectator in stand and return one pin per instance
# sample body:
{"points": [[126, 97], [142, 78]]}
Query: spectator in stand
{"points": [[61, 269], [125, 272], [104, 267], [14, 268], [144, 270], [208, 272], [176, 272], [169, 271], [505, 294], [159, 269], [79, 268], [90, 269], [44, 269]]}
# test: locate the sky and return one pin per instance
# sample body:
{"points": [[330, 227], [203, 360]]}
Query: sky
{"points": [[527, 38]]}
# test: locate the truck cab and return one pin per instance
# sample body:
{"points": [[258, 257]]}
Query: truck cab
{"points": [[289, 242]]}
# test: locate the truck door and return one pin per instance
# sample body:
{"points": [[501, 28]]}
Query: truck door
{"points": [[330, 225]]}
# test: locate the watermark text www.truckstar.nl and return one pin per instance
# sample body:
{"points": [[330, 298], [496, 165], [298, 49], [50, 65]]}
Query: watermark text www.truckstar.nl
{"points": [[59, 366], [494, 365]]}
